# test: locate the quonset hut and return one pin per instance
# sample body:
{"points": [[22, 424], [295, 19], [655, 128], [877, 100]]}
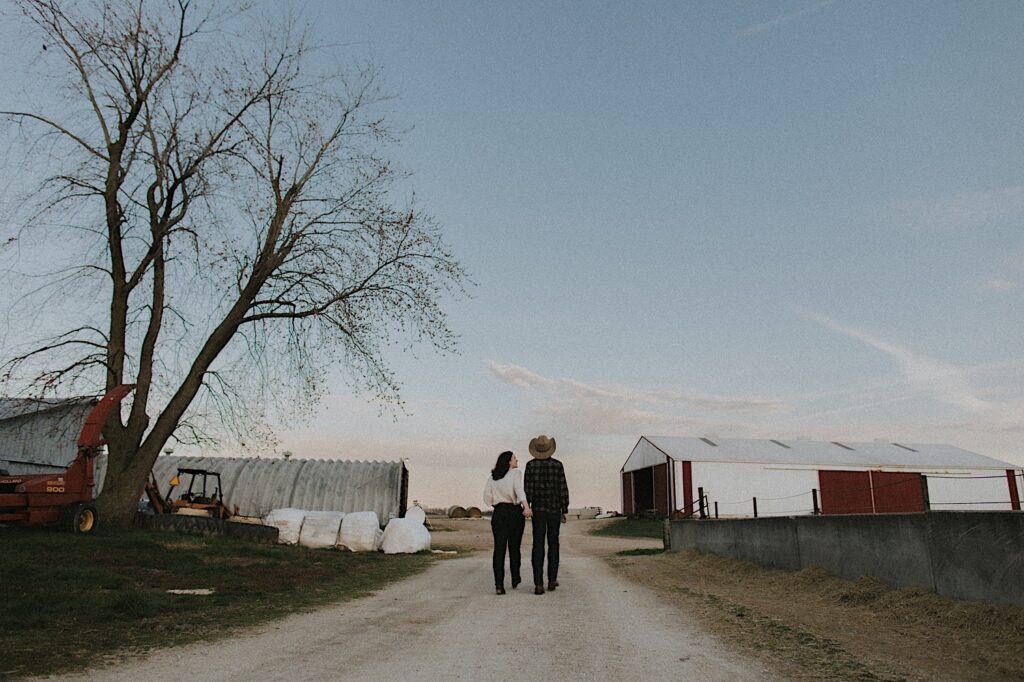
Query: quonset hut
{"points": [[259, 485], [690, 476]]}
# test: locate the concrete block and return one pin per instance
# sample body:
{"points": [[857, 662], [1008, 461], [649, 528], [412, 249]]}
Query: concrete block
{"points": [[892, 547], [978, 555]]}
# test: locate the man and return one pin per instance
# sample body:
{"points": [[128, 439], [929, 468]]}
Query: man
{"points": [[548, 495]]}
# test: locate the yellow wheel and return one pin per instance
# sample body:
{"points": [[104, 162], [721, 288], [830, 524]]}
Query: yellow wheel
{"points": [[79, 518]]}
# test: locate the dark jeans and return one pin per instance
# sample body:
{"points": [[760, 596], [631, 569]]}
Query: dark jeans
{"points": [[545, 525], [507, 526]]}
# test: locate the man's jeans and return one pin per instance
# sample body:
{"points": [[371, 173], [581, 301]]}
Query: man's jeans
{"points": [[545, 525]]}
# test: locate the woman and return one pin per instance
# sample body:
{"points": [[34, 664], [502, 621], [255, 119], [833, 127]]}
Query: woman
{"points": [[504, 491]]}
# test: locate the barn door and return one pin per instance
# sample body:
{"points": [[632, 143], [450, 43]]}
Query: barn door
{"points": [[871, 492], [897, 491]]}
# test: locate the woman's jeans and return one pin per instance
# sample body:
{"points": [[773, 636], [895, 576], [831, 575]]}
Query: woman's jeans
{"points": [[507, 525]]}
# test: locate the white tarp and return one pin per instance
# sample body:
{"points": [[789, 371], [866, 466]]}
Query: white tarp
{"points": [[288, 522], [360, 532], [405, 536], [321, 529], [416, 514]]}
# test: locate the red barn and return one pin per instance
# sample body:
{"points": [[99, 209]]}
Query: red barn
{"points": [[690, 476]]}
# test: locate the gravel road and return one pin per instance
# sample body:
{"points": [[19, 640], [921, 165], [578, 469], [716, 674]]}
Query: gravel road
{"points": [[447, 624]]}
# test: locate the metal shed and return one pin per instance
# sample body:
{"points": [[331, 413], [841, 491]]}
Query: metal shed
{"points": [[39, 436], [258, 485], [691, 476]]}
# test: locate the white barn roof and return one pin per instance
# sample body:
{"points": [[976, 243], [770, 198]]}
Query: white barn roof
{"points": [[651, 450], [258, 485]]}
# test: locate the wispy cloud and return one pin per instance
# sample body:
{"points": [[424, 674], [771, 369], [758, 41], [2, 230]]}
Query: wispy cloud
{"points": [[626, 409], [964, 211], [1000, 284], [1007, 273], [945, 382], [775, 23]]}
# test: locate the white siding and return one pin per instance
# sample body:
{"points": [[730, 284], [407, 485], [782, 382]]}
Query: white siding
{"points": [[778, 491], [40, 437], [644, 455]]}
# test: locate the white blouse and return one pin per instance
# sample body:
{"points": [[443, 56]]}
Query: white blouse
{"points": [[508, 489]]}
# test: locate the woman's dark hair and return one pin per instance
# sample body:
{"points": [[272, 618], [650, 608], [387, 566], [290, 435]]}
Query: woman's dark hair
{"points": [[501, 467]]}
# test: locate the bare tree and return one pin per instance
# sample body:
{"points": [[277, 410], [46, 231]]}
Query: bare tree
{"points": [[230, 198]]}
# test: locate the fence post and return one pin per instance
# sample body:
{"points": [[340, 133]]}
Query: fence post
{"points": [[700, 503], [814, 496], [716, 509], [755, 507]]}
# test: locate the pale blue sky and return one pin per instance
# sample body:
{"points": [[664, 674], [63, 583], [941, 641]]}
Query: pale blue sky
{"points": [[768, 219], [773, 219]]}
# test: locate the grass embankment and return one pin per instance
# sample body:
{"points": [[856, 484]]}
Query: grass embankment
{"points": [[634, 528], [809, 625], [75, 601]]}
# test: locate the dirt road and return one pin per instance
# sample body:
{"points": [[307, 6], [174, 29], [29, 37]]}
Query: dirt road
{"points": [[447, 623]]}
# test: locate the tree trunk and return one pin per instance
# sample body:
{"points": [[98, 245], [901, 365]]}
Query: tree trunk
{"points": [[124, 484]]}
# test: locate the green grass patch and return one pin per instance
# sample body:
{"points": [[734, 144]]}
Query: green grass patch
{"points": [[632, 528], [72, 601]]}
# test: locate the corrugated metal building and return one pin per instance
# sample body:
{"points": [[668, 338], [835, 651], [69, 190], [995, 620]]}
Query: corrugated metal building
{"points": [[258, 485], [40, 436], [667, 475]]}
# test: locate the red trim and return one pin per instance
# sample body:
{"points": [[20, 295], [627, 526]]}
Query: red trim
{"points": [[671, 484], [1011, 481]]}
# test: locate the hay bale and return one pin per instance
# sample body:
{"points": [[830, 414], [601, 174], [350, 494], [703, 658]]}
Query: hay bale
{"points": [[456, 512], [474, 513]]}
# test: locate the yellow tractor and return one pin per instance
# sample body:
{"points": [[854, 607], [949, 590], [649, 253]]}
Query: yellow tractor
{"points": [[203, 496]]}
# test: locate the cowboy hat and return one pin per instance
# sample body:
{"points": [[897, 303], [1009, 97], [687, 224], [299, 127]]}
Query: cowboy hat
{"points": [[542, 447]]}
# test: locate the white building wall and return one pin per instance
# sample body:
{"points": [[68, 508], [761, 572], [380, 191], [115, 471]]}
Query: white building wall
{"points": [[644, 455], [962, 491], [779, 492], [786, 491]]}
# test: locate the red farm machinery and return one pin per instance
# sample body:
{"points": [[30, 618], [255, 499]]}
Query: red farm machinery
{"points": [[64, 498]]}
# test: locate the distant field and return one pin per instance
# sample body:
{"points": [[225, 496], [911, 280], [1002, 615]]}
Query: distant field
{"points": [[72, 601], [632, 528]]}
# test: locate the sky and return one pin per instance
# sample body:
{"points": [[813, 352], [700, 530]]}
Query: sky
{"points": [[771, 219]]}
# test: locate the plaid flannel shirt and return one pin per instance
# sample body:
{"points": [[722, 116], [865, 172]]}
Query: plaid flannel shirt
{"points": [[546, 488]]}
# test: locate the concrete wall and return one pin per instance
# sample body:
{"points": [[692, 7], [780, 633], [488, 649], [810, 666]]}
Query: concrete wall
{"points": [[965, 555]]}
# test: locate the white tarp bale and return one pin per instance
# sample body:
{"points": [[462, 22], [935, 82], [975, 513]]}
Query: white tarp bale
{"points": [[321, 529], [416, 514], [288, 522], [360, 532], [405, 536]]}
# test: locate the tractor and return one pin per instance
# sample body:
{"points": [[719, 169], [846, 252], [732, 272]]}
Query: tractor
{"points": [[66, 498], [202, 496]]}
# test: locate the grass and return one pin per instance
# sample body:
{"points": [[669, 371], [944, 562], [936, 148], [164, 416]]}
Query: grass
{"points": [[75, 601], [641, 551], [632, 528], [797, 646]]}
